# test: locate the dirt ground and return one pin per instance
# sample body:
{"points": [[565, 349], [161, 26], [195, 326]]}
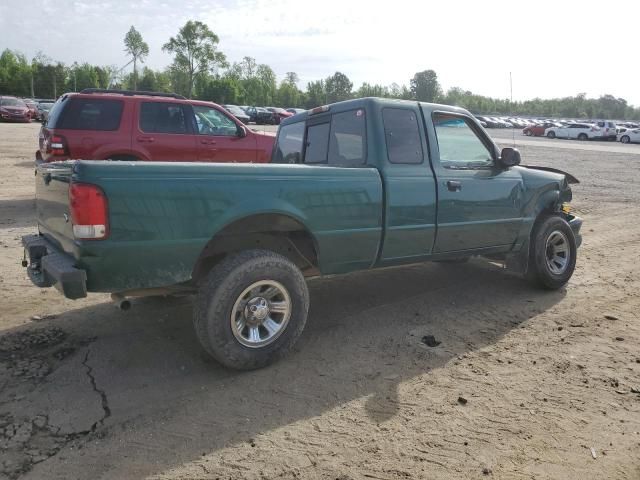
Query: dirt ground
{"points": [[523, 384]]}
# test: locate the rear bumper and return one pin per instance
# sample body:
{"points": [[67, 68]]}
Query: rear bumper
{"points": [[50, 267]]}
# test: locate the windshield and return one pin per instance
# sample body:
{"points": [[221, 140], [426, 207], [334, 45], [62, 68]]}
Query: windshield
{"points": [[11, 102], [46, 106]]}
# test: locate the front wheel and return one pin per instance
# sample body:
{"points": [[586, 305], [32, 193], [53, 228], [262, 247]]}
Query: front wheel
{"points": [[583, 136], [625, 139], [251, 309], [552, 253], [551, 135]]}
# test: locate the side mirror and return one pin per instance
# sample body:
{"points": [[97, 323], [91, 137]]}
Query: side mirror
{"points": [[509, 157], [242, 132]]}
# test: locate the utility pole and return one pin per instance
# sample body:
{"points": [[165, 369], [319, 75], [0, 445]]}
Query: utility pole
{"points": [[55, 91], [32, 94]]}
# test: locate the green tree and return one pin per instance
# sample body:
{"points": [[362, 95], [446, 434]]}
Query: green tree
{"points": [[137, 49], [195, 51], [15, 74], [338, 87], [316, 94], [425, 86]]}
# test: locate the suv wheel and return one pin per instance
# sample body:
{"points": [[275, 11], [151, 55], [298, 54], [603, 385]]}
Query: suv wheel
{"points": [[583, 136]]}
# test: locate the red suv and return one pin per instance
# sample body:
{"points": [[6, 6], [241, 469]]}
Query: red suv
{"points": [[126, 125]]}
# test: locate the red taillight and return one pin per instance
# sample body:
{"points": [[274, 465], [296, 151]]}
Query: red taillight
{"points": [[89, 215], [57, 145]]}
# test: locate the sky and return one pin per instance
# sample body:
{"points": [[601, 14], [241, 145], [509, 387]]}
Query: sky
{"points": [[551, 48]]}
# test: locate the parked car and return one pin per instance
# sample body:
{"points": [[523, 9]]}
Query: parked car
{"points": [[609, 129], [488, 122], [260, 116], [580, 131], [33, 108], [13, 109], [539, 130], [125, 125], [43, 110], [279, 113], [243, 237], [630, 136], [295, 111], [237, 112]]}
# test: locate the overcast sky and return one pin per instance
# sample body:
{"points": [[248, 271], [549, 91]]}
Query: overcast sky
{"points": [[552, 48]]}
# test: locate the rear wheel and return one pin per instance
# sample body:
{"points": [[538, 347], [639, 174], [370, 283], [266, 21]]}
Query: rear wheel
{"points": [[528, 133], [625, 139], [251, 309], [551, 134], [552, 252], [583, 136]]}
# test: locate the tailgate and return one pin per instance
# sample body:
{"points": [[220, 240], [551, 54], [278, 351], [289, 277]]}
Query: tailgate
{"points": [[52, 203]]}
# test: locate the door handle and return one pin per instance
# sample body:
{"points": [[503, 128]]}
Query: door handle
{"points": [[146, 139], [208, 142], [454, 185]]}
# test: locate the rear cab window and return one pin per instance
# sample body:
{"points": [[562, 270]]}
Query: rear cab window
{"points": [[338, 139], [86, 114], [402, 136]]}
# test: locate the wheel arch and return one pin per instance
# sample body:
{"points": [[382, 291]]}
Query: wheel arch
{"points": [[280, 232]]}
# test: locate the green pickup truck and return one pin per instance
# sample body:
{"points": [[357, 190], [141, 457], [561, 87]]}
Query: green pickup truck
{"points": [[355, 185]]}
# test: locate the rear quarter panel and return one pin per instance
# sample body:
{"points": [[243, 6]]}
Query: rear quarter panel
{"points": [[162, 215]]}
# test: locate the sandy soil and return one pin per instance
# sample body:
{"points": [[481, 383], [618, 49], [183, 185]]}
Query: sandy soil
{"points": [[524, 383]]}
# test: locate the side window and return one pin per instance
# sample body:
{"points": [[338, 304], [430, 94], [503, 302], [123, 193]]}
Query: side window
{"points": [[459, 145], [347, 138], [402, 135], [213, 122], [317, 143], [289, 143], [161, 117], [91, 114]]}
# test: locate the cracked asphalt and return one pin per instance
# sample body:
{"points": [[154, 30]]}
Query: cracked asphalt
{"points": [[427, 371]]}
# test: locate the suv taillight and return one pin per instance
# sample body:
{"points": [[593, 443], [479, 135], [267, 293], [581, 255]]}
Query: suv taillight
{"points": [[89, 215], [56, 145]]}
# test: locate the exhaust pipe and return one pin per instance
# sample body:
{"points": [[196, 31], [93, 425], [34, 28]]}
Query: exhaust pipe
{"points": [[120, 301]]}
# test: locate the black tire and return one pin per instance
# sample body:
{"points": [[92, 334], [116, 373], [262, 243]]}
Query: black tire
{"points": [[625, 139], [583, 136], [223, 288], [551, 134], [540, 270]]}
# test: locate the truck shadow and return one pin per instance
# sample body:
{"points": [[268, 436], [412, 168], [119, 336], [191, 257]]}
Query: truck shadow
{"points": [[366, 335]]}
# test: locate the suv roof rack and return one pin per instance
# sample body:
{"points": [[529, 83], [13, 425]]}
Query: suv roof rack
{"points": [[133, 92]]}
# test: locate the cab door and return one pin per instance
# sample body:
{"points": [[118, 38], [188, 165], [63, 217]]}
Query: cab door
{"points": [[164, 132], [479, 203]]}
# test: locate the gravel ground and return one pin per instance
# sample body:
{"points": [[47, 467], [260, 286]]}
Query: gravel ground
{"points": [[428, 371]]}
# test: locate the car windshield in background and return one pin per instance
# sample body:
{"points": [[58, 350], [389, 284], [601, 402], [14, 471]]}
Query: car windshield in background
{"points": [[45, 106], [11, 102]]}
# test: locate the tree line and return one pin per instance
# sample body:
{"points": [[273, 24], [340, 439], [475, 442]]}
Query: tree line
{"points": [[200, 70]]}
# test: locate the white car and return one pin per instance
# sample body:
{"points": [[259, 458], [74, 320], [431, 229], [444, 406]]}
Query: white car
{"points": [[580, 131], [630, 136]]}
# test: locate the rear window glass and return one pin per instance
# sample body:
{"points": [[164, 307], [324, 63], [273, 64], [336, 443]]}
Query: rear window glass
{"points": [[347, 138], [402, 135], [89, 114], [289, 144], [317, 143], [161, 117], [340, 141]]}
